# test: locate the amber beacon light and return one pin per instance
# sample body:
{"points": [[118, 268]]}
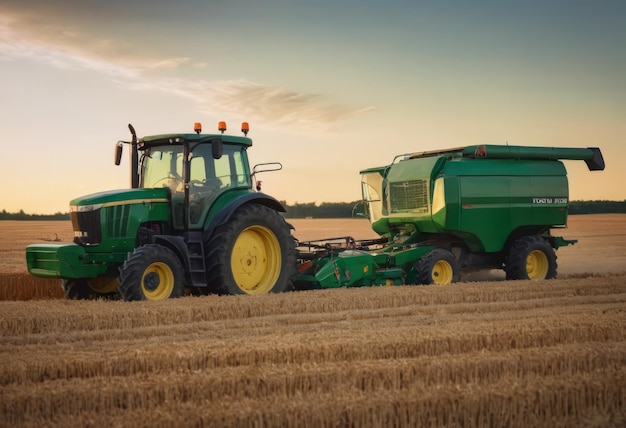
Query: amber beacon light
{"points": [[221, 126]]}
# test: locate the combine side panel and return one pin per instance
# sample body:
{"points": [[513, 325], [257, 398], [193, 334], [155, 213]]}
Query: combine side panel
{"points": [[498, 196]]}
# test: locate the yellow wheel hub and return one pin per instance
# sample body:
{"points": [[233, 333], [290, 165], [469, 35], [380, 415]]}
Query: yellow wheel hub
{"points": [[537, 265], [157, 282], [442, 273], [256, 260], [103, 284]]}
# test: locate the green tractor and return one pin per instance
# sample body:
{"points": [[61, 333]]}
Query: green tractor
{"points": [[446, 212], [192, 221]]}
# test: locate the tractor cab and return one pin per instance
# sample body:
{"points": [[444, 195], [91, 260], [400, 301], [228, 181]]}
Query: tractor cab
{"points": [[163, 165], [195, 168]]}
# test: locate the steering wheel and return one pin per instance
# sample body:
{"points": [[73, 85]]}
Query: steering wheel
{"points": [[169, 177]]}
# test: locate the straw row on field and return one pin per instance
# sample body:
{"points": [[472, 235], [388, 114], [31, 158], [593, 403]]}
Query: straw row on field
{"points": [[341, 400], [546, 353], [22, 286], [103, 325], [367, 375], [20, 318], [164, 354], [203, 346]]}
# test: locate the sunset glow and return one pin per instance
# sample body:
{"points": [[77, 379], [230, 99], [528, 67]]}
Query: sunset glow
{"points": [[328, 88]]}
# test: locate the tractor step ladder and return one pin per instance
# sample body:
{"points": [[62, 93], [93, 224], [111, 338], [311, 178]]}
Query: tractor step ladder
{"points": [[197, 263]]}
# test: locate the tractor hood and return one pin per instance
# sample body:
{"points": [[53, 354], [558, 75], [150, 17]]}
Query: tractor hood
{"points": [[119, 197]]}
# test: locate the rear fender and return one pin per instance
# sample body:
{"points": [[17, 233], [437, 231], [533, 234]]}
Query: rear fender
{"points": [[227, 211]]}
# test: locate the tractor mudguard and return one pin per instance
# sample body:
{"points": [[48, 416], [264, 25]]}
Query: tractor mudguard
{"points": [[176, 244], [227, 211]]}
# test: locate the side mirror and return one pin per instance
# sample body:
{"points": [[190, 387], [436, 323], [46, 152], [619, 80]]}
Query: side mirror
{"points": [[217, 149], [118, 153]]}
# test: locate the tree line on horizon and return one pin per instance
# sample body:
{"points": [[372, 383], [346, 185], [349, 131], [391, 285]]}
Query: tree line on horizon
{"points": [[345, 210]]}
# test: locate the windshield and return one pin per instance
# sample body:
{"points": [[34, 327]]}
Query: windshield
{"points": [[162, 166]]}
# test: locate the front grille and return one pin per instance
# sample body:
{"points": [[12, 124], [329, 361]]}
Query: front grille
{"points": [[86, 227], [116, 218], [408, 196]]}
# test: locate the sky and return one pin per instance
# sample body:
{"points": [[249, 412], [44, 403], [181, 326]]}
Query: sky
{"points": [[329, 87]]}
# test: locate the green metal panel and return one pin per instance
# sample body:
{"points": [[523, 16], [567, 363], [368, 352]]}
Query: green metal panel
{"points": [[354, 268], [404, 257], [118, 197], [61, 261], [221, 202], [114, 218], [351, 267], [120, 213], [499, 196]]}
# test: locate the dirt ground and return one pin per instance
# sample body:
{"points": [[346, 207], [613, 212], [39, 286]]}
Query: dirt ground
{"points": [[601, 246]]}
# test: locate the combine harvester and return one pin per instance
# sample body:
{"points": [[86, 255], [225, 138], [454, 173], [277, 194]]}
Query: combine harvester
{"points": [[195, 218], [443, 212]]}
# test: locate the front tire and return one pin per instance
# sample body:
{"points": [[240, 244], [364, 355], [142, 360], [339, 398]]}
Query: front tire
{"points": [[252, 253], [90, 288], [151, 272], [531, 257], [438, 267]]}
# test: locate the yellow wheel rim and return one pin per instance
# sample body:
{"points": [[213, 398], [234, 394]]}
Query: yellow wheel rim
{"points": [[442, 273], [256, 260], [157, 282], [537, 265], [103, 284]]}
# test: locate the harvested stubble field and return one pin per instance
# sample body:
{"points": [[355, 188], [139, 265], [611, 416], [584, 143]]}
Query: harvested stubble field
{"points": [[494, 353]]}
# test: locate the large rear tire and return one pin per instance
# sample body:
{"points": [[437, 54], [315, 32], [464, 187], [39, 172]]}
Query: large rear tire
{"points": [[90, 288], [530, 257], [439, 267], [151, 272], [252, 253]]}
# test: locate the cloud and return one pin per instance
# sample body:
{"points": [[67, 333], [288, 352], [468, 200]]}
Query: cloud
{"points": [[64, 48], [55, 46], [278, 104], [169, 63]]}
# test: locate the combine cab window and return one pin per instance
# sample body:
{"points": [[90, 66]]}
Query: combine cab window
{"points": [[371, 186]]}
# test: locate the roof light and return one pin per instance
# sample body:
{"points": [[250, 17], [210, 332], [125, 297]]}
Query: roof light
{"points": [[197, 127], [245, 128], [221, 126]]}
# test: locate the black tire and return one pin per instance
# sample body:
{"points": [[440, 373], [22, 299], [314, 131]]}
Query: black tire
{"points": [[438, 267], [252, 253], [152, 272], [90, 288], [530, 257]]}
